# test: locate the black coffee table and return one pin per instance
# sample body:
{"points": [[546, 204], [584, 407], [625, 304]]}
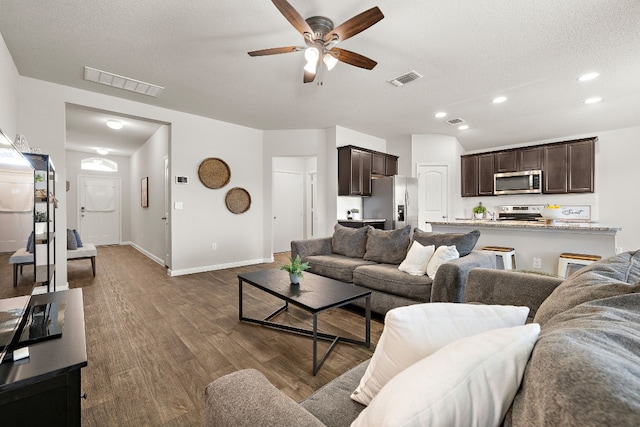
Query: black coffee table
{"points": [[315, 294]]}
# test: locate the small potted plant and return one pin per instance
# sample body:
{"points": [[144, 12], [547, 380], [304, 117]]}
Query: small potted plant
{"points": [[355, 213], [295, 269], [479, 211], [41, 222]]}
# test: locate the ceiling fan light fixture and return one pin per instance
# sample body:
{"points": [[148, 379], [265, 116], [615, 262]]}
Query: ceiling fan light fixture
{"points": [[311, 54], [330, 61]]}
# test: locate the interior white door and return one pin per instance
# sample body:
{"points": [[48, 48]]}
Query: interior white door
{"points": [[288, 209], [433, 193], [99, 210]]}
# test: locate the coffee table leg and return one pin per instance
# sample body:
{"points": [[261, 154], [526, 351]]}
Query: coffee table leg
{"points": [[368, 321], [240, 299], [315, 344]]}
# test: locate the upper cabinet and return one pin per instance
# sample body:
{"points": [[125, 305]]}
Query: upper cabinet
{"points": [[529, 158], [357, 165], [568, 167]]}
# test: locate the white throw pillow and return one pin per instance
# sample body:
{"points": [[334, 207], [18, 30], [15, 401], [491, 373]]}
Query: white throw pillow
{"points": [[417, 259], [414, 332], [441, 255], [470, 382]]}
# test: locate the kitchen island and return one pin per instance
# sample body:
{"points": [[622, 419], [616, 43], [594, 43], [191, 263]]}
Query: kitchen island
{"points": [[539, 239]]}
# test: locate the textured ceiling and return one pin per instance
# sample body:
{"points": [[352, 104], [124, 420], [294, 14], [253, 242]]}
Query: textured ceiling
{"points": [[468, 52]]}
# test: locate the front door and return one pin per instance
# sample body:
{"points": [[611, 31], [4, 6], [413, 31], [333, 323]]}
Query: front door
{"points": [[99, 210]]}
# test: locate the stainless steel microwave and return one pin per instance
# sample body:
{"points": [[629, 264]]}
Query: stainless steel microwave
{"points": [[524, 182]]}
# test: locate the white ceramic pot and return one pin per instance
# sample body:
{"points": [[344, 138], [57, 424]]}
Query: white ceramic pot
{"points": [[479, 215], [295, 280], [41, 227], [355, 215]]}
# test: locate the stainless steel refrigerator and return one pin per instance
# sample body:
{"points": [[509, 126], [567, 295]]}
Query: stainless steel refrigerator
{"points": [[394, 198]]}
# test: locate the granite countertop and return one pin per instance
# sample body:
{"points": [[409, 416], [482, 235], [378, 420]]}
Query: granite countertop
{"points": [[541, 225], [361, 221]]}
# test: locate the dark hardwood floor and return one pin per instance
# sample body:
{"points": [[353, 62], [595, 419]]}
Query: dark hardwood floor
{"points": [[154, 342]]}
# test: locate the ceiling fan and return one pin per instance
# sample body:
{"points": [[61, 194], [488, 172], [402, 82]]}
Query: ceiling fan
{"points": [[320, 38]]}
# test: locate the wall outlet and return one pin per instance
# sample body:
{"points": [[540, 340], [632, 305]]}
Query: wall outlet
{"points": [[214, 246], [537, 263]]}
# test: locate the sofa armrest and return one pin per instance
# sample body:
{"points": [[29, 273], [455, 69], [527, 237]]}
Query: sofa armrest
{"points": [[449, 283], [305, 248], [247, 398], [502, 287]]}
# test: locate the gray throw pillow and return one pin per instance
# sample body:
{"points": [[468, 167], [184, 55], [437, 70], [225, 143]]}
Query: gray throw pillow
{"points": [[349, 241], [72, 243], [388, 246], [464, 242]]}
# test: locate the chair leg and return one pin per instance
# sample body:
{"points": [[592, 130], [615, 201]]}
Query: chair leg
{"points": [[15, 275], [93, 265]]}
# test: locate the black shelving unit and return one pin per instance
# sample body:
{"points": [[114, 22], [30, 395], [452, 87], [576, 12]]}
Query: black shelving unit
{"points": [[44, 254]]}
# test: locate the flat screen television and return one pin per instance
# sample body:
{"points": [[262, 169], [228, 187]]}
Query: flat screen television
{"points": [[21, 322]]}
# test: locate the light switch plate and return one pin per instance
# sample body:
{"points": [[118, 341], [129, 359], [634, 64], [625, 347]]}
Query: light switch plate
{"points": [[178, 205]]}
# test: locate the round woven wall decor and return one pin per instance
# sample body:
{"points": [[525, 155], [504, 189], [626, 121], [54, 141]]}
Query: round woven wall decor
{"points": [[214, 173], [238, 200]]}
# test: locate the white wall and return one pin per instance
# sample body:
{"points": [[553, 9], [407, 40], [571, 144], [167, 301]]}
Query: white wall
{"points": [[401, 146], [205, 218], [9, 96], [72, 159], [147, 225]]}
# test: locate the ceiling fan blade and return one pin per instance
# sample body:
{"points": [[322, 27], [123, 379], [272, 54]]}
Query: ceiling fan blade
{"points": [[293, 16], [274, 51], [355, 25], [353, 58]]}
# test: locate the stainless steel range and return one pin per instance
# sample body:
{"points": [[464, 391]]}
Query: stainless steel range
{"points": [[520, 213]]}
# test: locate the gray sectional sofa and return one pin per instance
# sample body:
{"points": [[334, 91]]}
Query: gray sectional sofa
{"points": [[369, 257], [584, 369]]}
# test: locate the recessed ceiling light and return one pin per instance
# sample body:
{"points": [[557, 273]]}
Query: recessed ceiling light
{"points": [[102, 151], [499, 99], [114, 124], [441, 114], [593, 100], [463, 127], [588, 76]]}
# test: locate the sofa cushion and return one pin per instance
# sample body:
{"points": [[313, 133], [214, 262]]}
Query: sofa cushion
{"points": [[331, 403], [585, 367], [440, 256], [417, 259], [414, 332], [612, 276], [348, 241], [388, 279], [388, 246], [337, 267], [471, 381], [464, 242]]}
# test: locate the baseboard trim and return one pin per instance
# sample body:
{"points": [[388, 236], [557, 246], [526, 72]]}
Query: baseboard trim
{"points": [[145, 252], [206, 268]]}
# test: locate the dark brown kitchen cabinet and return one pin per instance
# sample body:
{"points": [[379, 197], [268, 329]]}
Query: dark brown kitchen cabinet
{"points": [[378, 164], [354, 172], [485, 174], [505, 161], [391, 165], [469, 178], [529, 159], [554, 174], [580, 167]]}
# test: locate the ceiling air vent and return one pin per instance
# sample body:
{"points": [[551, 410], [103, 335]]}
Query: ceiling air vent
{"points": [[121, 82], [405, 78], [455, 122]]}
